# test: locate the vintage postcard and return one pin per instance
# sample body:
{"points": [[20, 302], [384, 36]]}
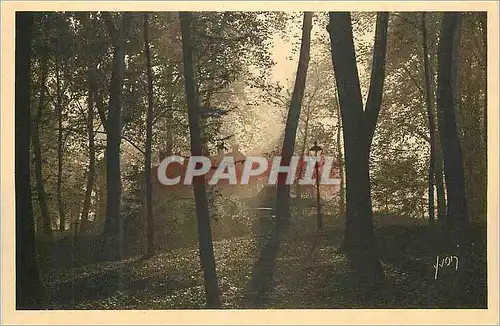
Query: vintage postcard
{"points": [[249, 162]]}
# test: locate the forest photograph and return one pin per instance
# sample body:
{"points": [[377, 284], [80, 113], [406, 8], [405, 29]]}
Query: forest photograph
{"points": [[170, 160]]}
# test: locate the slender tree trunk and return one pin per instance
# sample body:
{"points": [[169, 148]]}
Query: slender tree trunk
{"points": [[448, 129], [113, 226], [169, 117], [45, 218], [91, 171], [358, 129], [283, 194], [28, 285], [431, 121], [340, 160], [60, 203], [205, 236], [303, 150], [149, 137]]}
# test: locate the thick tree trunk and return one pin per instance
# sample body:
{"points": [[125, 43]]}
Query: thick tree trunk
{"points": [[60, 202], [45, 218], [448, 101], [204, 232], [92, 169], [430, 119], [448, 129], [358, 129], [283, 194], [28, 286], [149, 137], [113, 226]]}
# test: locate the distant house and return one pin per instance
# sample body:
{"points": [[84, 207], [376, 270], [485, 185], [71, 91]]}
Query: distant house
{"points": [[186, 191], [255, 185]]}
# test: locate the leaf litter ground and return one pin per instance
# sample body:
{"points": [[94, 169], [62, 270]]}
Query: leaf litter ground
{"points": [[302, 270]]}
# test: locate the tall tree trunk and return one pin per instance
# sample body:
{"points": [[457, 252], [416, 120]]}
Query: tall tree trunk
{"points": [[28, 285], [448, 101], [169, 116], [431, 120], [92, 168], [340, 160], [303, 149], [149, 137], [448, 129], [60, 203], [358, 129], [283, 194], [204, 232], [46, 220], [113, 226]]}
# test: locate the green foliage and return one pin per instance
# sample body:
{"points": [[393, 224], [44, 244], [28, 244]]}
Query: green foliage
{"points": [[245, 104]]}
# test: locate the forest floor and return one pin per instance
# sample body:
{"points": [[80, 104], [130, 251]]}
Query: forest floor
{"points": [[303, 270]]}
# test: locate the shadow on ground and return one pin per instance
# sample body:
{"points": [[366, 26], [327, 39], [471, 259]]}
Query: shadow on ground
{"points": [[297, 267]]}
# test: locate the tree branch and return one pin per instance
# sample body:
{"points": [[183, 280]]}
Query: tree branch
{"points": [[374, 99], [125, 139], [101, 110]]}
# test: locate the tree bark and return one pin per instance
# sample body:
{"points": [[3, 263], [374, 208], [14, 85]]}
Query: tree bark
{"points": [[283, 193], [28, 285], [448, 129], [46, 220], [431, 121], [113, 226], [358, 129], [149, 137], [207, 258]]}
